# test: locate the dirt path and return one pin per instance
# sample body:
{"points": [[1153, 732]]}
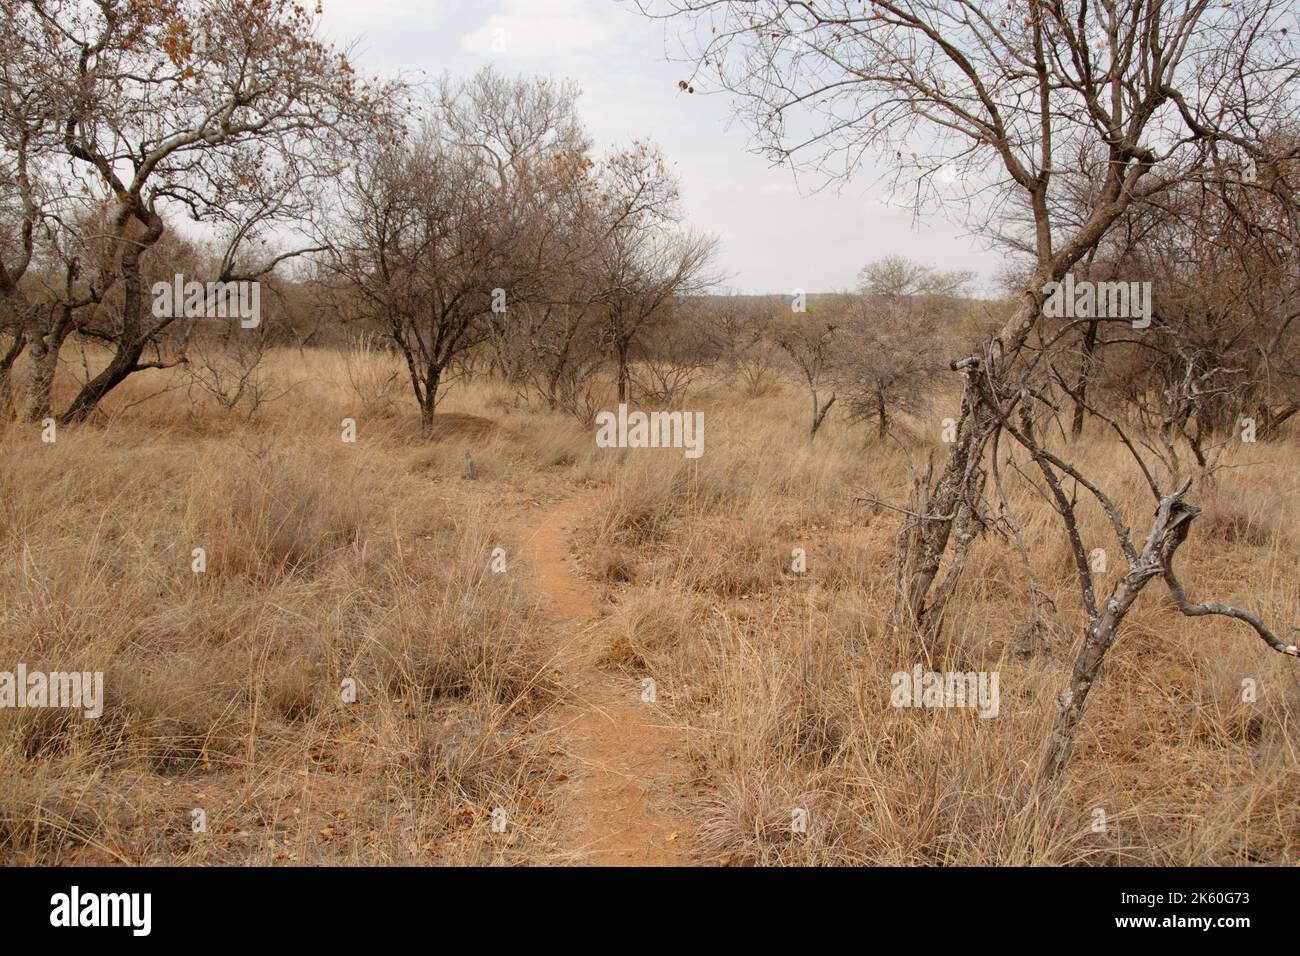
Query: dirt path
{"points": [[627, 762]]}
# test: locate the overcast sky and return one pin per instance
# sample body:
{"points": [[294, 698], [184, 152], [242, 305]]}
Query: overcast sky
{"points": [[776, 236]]}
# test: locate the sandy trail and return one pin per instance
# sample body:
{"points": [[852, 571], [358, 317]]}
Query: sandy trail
{"points": [[627, 762]]}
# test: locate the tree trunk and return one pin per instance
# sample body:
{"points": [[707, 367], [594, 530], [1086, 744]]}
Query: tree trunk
{"points": [[819, 416], [131, 341], [46, 344], [1085, 373], [975, 424], [122, 364], [1168, 531], [6, 374], [44, 362], [1070, 705], [429, 400], [812, 429], [624, 379], [936, 521]]}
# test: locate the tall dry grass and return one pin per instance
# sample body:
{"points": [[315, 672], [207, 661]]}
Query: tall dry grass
{"points": [[784, 678], [328, 561], [325, 562]]}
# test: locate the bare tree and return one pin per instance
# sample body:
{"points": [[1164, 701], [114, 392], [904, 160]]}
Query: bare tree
{"points": [[28, 134], [1146, 95], [443, 229], [737, 327], [898, 278], [216, 111], [896, 324], [890, 367], [1152, 558], [679, 355], [1224, 259], [416, 240], [226, 365], [811, 343], [646, 258]]}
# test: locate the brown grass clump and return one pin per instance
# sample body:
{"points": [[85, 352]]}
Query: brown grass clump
{"points": [[224, 689], [371, 565]]}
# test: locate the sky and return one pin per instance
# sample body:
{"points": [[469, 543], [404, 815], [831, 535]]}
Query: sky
{"points": [[777, 234]]}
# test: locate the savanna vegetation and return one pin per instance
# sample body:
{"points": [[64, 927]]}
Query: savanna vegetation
{"points": [[385, 482]]}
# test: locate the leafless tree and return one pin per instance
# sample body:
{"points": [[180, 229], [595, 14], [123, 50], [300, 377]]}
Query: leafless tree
{"points": [[647, 258], [895, 326], [889, 368], [1152, 558], [811, 343], [737, 327], [1225, 263], [1020, 103], [679, 355], [442, 229], [896, 278], [226, 365], [215, 111]]}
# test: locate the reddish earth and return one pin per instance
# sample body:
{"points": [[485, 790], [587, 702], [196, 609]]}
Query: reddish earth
{"points": [[629, 764]]}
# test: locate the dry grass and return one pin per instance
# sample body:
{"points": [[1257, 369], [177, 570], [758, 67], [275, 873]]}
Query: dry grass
{"points": [[325, 562], [784, 678], [328, 561]]}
